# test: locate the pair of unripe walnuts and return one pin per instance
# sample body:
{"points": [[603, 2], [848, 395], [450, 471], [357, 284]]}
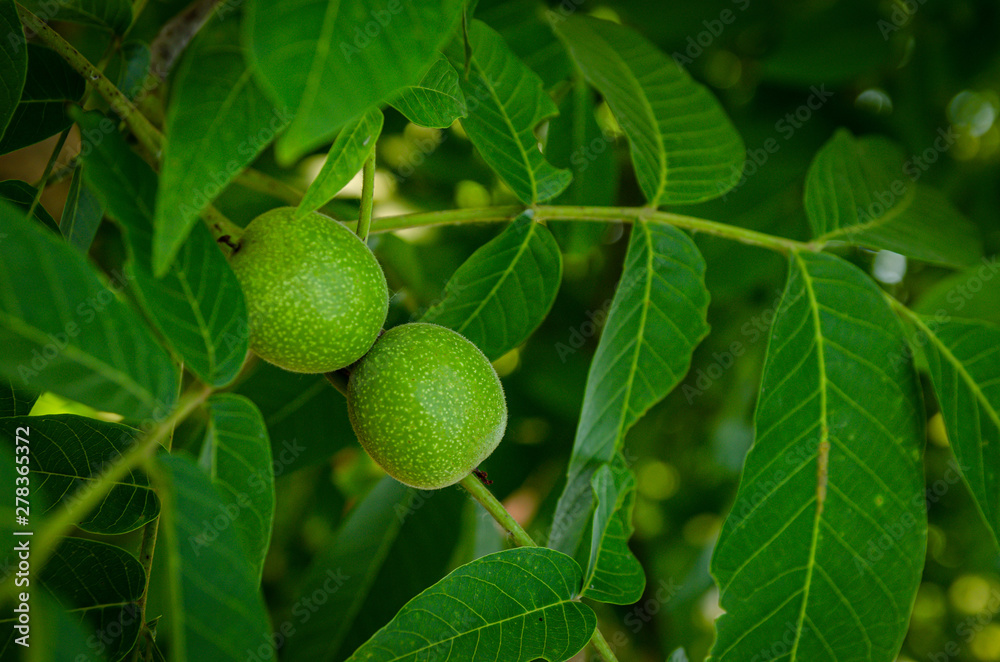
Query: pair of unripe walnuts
{"points": [[424, 401]]}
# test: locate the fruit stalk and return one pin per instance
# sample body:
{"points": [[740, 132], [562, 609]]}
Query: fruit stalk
{"points": [[481, 493]]}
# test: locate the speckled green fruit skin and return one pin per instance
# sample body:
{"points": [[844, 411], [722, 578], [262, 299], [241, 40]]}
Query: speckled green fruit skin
{"points": [[316, 296], [427, 405]]}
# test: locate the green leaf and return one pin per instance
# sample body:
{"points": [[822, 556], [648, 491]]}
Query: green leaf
{"points": [[40, 114], [114, 15], [523, 24], [13, 62], [684, 148], [23, 194], [613, 574], [657, 318], [517, 605], [328, 62], [575, 141], [103, 584], [506, 101], [215, 609], [64, 330], [132, 60], [972, 293], [859, 190], [306, 418], [53, 634], [14, 400], [82, 214], [347, 156], [218, 121], [69, 452], [824, 547], [500, 295], [394, 544], [436, 101], [964, 365], [198, 305], [237, 455]]}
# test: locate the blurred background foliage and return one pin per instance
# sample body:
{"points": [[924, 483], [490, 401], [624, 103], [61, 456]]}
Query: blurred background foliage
{"points": [[906, 70]]}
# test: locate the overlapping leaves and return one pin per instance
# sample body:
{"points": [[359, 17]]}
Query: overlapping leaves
{"points": [[69, 453], [198, 305], [506, 102], [657, 318], [63, 328], [328, 62]]}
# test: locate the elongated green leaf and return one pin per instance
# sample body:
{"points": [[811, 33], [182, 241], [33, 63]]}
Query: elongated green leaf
{"points": [[215, 608], [306, 418], [394, 544], [69, 452], [198, 305], [964, 361], [350, 150], [657, 318], [103, 584], [860, 191], [13, 62], [824, 547], [327, 62], [81, 215], [684, 148], [64, 330], [500, 295], [575, 141], [218, 122], [517, 605], [613, 574], [506, 101], [115, 15], [14, 400], [436, 101], [23, 194], [50, 85], [237, 455]]}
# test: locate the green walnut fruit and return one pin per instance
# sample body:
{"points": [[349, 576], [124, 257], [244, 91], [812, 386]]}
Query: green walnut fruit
{"points": [[427, 405], [316, 296]]}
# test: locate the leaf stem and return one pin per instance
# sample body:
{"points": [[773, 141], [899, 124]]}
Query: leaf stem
{"points": [[62, 521], [147, 134], [481, 493], [224, 231], [367, 195], [146, 559], [596, 214], [255, 180]]}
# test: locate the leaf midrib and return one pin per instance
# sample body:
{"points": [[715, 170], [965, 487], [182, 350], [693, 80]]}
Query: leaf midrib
{"points": [[822, 453]]}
